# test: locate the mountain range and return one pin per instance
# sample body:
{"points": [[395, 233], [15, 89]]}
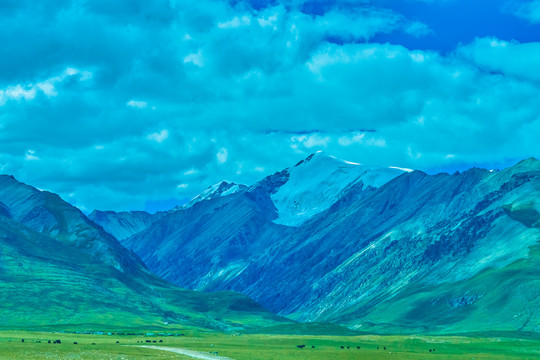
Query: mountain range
{"points": [[373, 248], [368, 247], [58, 268]]}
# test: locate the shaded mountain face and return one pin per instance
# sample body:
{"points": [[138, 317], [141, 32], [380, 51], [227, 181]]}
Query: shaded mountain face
{"points": [[212, 240], [418, 233], [397, 251], [59, 267], [124, 224]]}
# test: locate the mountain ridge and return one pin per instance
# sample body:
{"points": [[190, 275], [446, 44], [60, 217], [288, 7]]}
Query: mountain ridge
{"points": [[415, 233], [57, 267]]}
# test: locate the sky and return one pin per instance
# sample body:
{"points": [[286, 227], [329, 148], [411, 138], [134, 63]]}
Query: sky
{"points": [[140, 105]]}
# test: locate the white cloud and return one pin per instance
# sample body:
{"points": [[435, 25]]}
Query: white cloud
{"points": [[310, 141], [190, 172], [528, 10], [377, 142], [30, 155], [349, 140], [325, 58], [418, 29], [29, 91], [71, 71], [235, 22], [137, 104], [361, 138], [47, 88], [509, 57], [222, 155], [417, 57], [195, 59], [362, 24], [182, 186], [159, 137], [270, 21], [17, 92]]}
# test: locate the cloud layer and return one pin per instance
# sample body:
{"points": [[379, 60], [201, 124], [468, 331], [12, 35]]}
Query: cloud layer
{"points": [[119, 105], [528, 10]]}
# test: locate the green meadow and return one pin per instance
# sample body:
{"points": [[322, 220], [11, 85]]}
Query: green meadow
{"points": [[241, 346]]}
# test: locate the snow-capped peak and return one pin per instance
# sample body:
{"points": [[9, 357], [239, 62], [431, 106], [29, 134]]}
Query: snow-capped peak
{"points": [[317, 182], [222, 188]]}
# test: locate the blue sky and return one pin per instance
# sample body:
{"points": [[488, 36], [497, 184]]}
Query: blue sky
{"points": [[140, 105]]}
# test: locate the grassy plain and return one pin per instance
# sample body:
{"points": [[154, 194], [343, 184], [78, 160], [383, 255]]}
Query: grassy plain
{"points": [[264, 346]]}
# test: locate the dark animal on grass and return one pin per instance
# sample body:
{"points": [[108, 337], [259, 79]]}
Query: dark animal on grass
{"points": [[49, 341], [74, 343], [148, 341], [358, 347], [22, 340], [342, 347], [313, 347], [118, 342], [347, 347], [300, 346], [57, 342], [93, 343], [160, 340]]}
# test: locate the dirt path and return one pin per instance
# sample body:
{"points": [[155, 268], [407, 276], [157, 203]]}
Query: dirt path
{"points": [[191, 353]]}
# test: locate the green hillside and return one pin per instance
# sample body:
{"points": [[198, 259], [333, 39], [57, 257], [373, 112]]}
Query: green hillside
{"points": [[58, 268]]}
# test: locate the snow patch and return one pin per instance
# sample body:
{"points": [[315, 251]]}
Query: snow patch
{"points": [[222, 188], [319, 181]]}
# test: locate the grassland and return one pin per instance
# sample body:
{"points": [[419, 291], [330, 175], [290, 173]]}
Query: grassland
{"points": [[47, 281], [263, 346]]}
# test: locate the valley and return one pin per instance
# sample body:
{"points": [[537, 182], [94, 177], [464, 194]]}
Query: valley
{"points": [[375, 258], [269, 180], [239, 346], [389, 250], [59, 268]]}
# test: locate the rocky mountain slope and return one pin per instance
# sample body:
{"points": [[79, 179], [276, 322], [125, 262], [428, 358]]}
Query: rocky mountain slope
{"points": [[211, 241], [452, 238], [222, 188], [127, 223], [370, 247], [58, 267], [124, 224]]}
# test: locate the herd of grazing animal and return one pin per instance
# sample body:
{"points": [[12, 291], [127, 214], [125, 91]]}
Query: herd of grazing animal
{"points": [[155, 341], [150, 341], [76, 343], [349, 347]]}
